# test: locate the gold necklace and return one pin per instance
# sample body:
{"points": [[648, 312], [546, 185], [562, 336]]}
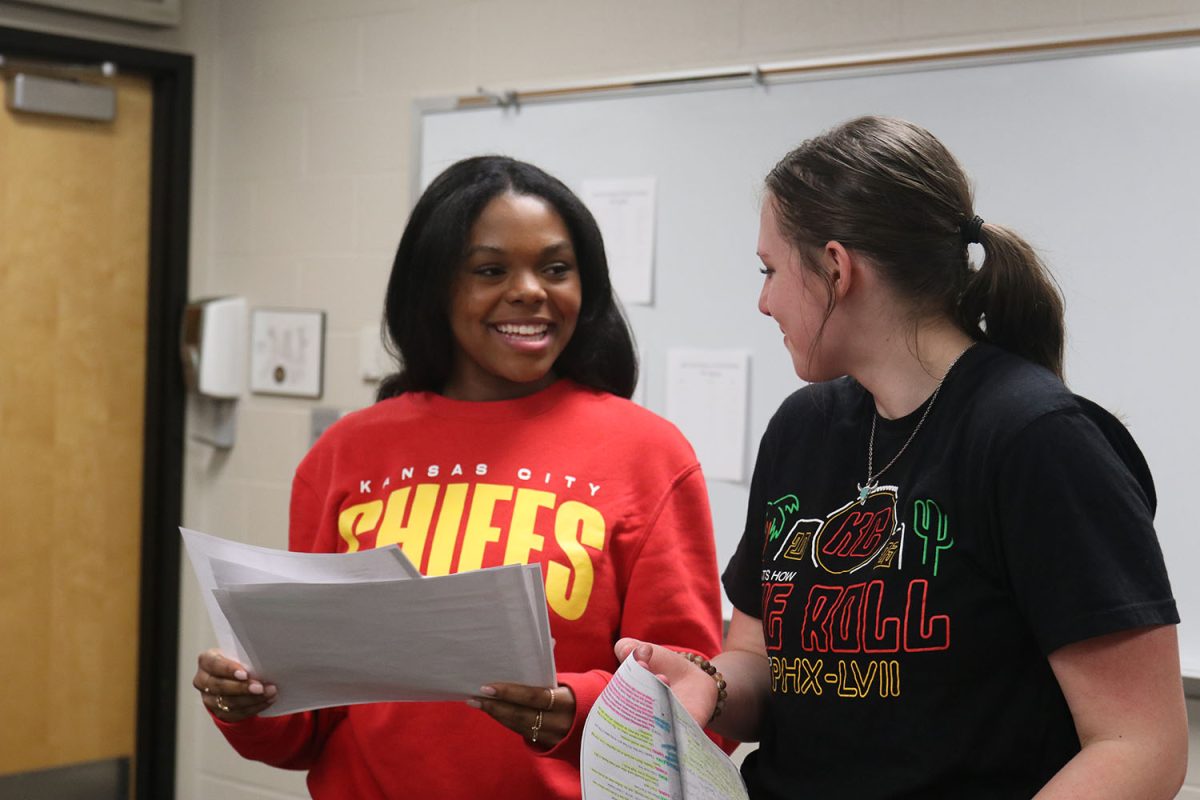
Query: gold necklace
{"points": [[872, 481]]}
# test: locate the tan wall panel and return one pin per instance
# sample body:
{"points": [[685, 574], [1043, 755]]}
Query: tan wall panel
{"points": [[74, 209]]}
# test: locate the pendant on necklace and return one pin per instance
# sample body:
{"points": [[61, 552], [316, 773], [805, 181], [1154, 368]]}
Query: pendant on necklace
{"points": [[864, 490]]}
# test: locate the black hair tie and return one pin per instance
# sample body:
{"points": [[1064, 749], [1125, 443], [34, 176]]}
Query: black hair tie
{"points": [[970, 230]]}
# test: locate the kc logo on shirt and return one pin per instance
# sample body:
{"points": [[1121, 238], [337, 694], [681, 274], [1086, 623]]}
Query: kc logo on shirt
{"points": [[859, 534]]}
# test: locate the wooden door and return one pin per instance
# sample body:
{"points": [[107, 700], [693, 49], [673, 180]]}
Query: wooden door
{"points": [[74, 254]]}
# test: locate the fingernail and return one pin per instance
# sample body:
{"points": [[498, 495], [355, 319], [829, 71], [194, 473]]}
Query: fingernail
{"points": [[473, 703], [240, 675], [270, 691], [487, 690], [256, 688]]}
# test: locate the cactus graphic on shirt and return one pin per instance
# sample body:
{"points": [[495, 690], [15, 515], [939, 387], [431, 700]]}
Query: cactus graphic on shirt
{"points": [[931, 525]]}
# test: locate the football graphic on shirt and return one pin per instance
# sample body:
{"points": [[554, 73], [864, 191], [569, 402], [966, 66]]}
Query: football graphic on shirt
{"points": [[857, 534]]}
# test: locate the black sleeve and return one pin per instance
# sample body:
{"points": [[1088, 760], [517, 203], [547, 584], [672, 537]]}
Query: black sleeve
{"points": [[743, 575], [1077, 530]]}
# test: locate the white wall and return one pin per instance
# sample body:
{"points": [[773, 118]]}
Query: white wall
{"points": [[302, 174]]}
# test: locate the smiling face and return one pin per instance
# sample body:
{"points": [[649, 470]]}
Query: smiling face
{"points": [[514, 301], [794, 296]]}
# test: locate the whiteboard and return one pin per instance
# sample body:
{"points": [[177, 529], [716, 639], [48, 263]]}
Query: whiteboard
{"points": [[1094, 156]]}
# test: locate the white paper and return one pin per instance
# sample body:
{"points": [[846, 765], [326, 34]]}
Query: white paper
{"points": [[624, 210], [640, 742], [535, 591], [706, 399], [340, 628], [220, 563], [434, 639]]}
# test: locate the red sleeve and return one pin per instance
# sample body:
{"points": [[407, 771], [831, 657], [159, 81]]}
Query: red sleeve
{"points": [[672, 595], [304, 518], [293, 741]]}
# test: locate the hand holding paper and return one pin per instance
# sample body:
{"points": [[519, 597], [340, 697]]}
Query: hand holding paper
{"points": [[639, 741], [694, 689], [227, 689], [542, 717]]}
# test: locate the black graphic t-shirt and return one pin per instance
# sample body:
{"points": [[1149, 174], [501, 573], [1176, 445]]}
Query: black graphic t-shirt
{"points": [[907, 631]]}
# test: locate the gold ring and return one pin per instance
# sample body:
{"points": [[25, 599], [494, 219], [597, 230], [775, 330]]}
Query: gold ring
{"points": [[537, 726], [551, 706], [221, 704]]}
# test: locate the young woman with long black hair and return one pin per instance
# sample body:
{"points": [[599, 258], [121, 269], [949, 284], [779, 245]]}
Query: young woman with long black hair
{"points": [[506, 437]]}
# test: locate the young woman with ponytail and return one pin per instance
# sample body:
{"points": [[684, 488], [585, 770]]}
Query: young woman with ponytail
{"points": [[949, 583]]}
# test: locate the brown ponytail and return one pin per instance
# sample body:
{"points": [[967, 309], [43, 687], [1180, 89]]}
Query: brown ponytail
{"points": [[1012, 300], [890, 189]]}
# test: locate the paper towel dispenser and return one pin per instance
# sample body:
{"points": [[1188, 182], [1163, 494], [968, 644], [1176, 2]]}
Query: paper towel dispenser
{"points": [[213, 347], [212, 343]]}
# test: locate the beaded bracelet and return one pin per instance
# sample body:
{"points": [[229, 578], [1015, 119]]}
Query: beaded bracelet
{"points": [[704, 664]]}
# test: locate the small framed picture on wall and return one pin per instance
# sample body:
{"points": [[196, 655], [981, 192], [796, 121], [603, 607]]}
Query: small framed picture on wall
{"points": [[287, 352]]}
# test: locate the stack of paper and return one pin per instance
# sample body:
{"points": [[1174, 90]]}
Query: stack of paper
{"points": [[335, 629]]}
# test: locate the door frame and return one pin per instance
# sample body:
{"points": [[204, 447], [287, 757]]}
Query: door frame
{"points": [[171, 75]]}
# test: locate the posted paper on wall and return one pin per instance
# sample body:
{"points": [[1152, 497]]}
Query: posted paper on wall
{"points": [[640, 742], [706, 399], [624, 210]]}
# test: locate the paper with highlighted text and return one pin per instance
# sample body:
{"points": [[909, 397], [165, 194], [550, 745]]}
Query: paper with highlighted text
{"points": [[640, 743]]}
